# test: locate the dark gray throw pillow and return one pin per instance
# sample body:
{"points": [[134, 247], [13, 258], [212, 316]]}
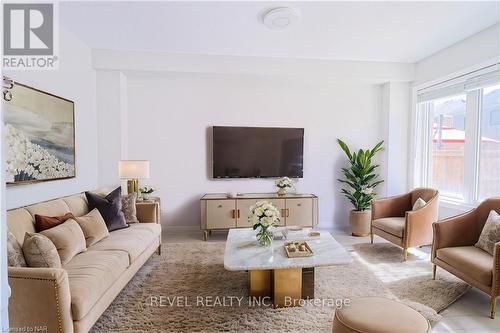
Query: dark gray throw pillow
{"points": [[110, 208]]}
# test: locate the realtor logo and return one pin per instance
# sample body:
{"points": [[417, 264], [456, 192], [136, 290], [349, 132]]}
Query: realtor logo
{"points": [[29, 36]]}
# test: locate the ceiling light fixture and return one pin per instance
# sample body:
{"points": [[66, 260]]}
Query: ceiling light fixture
{"points": [[280, 18]]}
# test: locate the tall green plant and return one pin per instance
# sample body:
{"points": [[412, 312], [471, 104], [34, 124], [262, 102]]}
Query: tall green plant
{"points": [[361, 176]]}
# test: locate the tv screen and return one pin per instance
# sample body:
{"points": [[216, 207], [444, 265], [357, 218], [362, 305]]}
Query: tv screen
{"points": [[257, 152]]}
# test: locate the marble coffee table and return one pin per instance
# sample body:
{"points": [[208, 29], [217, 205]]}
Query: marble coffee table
{"points": [[272, 273]]}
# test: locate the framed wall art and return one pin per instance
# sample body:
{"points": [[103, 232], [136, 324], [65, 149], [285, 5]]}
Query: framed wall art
{"points": [[39, 136]]}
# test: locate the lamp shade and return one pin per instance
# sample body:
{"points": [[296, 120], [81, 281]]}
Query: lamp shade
{"points": [[133, 169]]}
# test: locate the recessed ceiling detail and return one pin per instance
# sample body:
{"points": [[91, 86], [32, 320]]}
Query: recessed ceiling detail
{"points": [[281, 18]]}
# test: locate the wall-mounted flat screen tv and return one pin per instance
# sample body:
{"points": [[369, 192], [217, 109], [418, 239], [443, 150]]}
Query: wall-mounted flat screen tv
{"points": [[257, 152]]}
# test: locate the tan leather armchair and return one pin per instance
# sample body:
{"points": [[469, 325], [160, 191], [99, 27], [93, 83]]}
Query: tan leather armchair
{"points": [[394, 220], [453, 250]]}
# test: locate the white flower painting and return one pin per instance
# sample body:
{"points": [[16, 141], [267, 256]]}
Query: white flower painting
{"points": [[39, 139]]}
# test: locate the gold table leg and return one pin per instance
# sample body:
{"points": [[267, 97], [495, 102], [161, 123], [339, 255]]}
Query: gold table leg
{"points": [[287, 287], [260, 283]]}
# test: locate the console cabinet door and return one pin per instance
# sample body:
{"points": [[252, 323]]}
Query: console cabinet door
{"points": [[299, 212], [243, 210], [221, 214]]}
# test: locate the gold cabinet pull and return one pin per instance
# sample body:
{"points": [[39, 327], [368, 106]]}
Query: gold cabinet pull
{"points": [[219, 206], [283, 213], [299, 204], [287, 212], [239, 213], [233, 212]]}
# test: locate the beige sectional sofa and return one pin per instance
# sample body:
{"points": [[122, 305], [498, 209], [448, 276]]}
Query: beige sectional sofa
{"points": [[72, 298]]}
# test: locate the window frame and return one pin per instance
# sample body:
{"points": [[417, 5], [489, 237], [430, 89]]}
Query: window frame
{"points": [[421, 145]]}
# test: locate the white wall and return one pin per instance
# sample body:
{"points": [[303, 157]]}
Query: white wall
{"points": [[473, 51], [396, 112], [75, 80], [169, 116]]}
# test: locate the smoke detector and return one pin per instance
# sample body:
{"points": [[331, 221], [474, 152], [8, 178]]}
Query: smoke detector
{"points": [[280, 18]]}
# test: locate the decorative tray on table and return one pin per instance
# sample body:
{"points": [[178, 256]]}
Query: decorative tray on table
{"points": [[298, 249]]}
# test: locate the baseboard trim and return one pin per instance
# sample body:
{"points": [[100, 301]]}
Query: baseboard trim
{"points": [[180, 228]]}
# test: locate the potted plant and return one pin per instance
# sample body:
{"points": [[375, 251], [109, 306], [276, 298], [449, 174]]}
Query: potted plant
{"points": [[146, 191], [361, 178], [282, 184], [262, 216]]}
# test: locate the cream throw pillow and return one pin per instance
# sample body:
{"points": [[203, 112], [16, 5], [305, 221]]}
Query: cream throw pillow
{"points": [[93, 227], [490, 234], [68, 238], [15, 256], [419, 204], [39, 251], [128, 207]]}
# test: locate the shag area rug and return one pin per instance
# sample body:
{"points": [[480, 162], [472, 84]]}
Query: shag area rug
{"points": [[187, 289]]}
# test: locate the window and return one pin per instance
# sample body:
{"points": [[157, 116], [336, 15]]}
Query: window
{"points": [[448, 142], [489, 145], [457, 136]]}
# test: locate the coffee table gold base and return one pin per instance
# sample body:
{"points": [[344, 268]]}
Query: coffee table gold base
{"points": [[284, 286]]}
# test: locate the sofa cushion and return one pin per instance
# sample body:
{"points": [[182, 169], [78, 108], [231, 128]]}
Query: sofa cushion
{"points": [[90, 274], [68, 238], [43, 222], [490, 233], [19, 222], [77, 204], [15, 256], [393, 225], [93, 227], [418, 204], [39, 251], [55, 207], [133, 240], [129, 207], [110, 208], [470, 260]]}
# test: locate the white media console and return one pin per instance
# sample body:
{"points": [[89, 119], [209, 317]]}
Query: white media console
{"points": [[220, 212]]}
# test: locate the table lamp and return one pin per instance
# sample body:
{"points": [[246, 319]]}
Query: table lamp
{"points": [[133, 170]]}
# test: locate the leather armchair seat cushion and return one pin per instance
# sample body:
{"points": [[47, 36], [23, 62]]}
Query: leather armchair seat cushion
{"points": [[90, 274], [392, 225], [470, 260], [133, 240], [378, 315]]}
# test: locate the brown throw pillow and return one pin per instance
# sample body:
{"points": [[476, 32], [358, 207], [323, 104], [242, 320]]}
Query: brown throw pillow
{"points": [[15, 255], [68, 238], [110, 208], [39, 251], [129, 209], [46, 222], [93, 227], [490, 234]]}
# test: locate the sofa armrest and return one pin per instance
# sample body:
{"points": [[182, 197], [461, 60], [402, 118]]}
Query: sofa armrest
{"points": [[418, 227], [148, 212], [496, 270], [391, 207], [40, 299], [458, 230]]}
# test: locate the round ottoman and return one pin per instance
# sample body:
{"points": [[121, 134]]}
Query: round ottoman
{"points": [[379, 315]]}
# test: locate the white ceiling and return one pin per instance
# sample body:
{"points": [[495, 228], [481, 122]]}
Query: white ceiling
{"points": [[371, 31]]}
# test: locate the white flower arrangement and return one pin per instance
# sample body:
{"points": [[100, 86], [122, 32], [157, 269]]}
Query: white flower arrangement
{"points": [[264, 215], [284, 182], [146, 190], [28, 160]]}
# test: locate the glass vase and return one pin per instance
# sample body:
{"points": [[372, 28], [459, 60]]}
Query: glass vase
{"points": [[265, 237], [281, 190]]}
